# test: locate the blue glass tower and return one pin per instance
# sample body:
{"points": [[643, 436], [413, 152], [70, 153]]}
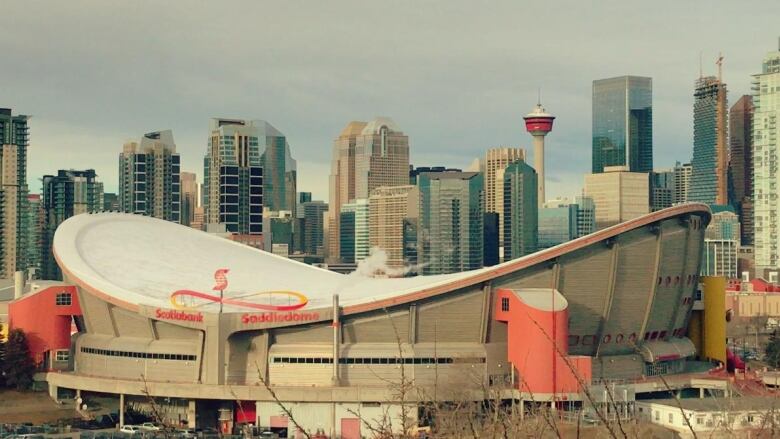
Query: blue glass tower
{"points": [[623, 123]]}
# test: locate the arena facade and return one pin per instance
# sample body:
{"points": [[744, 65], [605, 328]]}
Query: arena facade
{"points": [[226, 333]]}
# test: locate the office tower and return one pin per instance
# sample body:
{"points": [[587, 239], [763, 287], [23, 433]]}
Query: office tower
{"points": [[14, 140], [586, 216], [366, 155], [558, 222], [661, 189], [354, 233], [314, 234], [539, 123], [303, 197], [278, 232], [492, 167], [449, 231], [710, 157], [198, 218], [414, 172], [189, 197], [521, 211], [66, 194], [682, 182], [149, 173], [490, 254], [741, 163], [110, 202], [618, 195], [623, 123], [233, 177], [393, 210], [279, 169], [33, 226], [721, 243], [766, 179]]}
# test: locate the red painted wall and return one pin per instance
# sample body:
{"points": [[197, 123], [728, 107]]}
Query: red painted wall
{"points": [[46, 324], [531, 351]]}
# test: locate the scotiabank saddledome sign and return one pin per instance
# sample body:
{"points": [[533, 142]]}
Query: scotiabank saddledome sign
{"points": [[272, 302]]}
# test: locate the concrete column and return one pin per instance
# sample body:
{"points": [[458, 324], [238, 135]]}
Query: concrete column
{"points": [[336, 341], [18, 284], [701, 392], [53, 390], [522, 409], [191, 414], [121, 410]]}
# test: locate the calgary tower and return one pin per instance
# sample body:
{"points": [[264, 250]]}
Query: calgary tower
{"points": [[538, 122]]}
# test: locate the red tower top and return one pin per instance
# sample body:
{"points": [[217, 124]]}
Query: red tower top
{"points": [[539, 122]]}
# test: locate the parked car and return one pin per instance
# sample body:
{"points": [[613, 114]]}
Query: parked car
{"points": [[131, 429], [187, 433], [149, 426]]}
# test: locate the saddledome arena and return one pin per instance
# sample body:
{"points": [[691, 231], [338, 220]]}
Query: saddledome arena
{"points": [[331, 345]]}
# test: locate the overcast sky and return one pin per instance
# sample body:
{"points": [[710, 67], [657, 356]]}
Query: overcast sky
{"points": [[457, 76]]}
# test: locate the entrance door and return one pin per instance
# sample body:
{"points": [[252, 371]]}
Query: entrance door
{"points": [[350, 428]]}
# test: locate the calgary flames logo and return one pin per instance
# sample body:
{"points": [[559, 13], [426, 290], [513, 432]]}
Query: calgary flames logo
{"points": [[189, 299]]}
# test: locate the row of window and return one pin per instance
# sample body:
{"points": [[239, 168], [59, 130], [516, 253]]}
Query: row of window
{"points": [[589, 340], [691, 278], [144, 355], [63, 299], [376, 360]]}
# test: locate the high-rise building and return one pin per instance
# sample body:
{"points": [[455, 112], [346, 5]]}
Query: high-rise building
{"points": [[66, 194], [661, 189], [278, 230], [539, 123], [303, 197], [618, 195], [521, 210], [741, 163], [766, 178], [314, 234], [710, 157], [449, 231], [623, 123], [149, 173], [33, 226], [110, 202], [354, 233], [391, 208], [189, 197], [721, 244], [564, 219], [682, 182], [198, 218], [366, 155], [14, 140], [492, 168], [233, 177], [279, 169], [490, 253], [414, 172]]}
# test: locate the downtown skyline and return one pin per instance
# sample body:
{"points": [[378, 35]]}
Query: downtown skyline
{"points": [[456, 93]]}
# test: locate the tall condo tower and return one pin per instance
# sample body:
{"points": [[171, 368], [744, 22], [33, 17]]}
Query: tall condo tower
{"points": [[539, 122]]}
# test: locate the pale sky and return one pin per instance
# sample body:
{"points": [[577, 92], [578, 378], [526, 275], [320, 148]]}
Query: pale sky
{"points": [[457, 76]]}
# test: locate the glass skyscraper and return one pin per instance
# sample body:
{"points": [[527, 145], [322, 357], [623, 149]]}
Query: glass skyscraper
{"points": [[450, 225], [708, 107], [623, 123], [521, 210], [14, 140]]}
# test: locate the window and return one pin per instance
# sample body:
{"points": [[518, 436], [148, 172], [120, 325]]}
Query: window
{"points": [[671, 418], [62, 355], [63, 299], [504, 304], [657, 415]]}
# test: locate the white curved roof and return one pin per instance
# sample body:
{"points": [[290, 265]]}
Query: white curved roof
{"points": [[142, 260], [375, 125]]}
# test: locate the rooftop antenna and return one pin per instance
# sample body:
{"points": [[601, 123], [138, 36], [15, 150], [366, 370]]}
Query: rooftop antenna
{"points": [[719, 62], [539, 96]]}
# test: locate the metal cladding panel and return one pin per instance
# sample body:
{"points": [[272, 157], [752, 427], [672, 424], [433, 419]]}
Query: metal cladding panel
{"points": [[584, 281], [379, 328], [130, 324], [247, 357], [618, 367], [168, 331], [320, 333], [636, 260], [453, 319], [671, 280], [533, 277], [96, 314]]}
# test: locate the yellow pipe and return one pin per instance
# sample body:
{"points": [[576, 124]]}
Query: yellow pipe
{"points": [[714, 318]]}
